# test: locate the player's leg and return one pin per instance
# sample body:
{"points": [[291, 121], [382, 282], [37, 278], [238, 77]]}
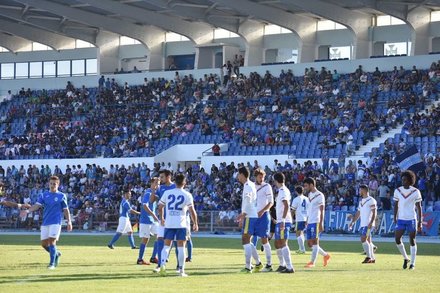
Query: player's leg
{"points": [[312, 242], [247, 246], [181, 240], [169, 235], [299, 231], [371, 246], [54, 234], [253, 225], [322, 252], [413, 245], [119, 231], [268, 253], [365, 244], [144, 234], [278, 247], [285, 250], [189, 247], [160, 242], [399, 231]]}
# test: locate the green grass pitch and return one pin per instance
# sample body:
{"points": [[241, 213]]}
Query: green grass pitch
{"points": [[87, 265]]}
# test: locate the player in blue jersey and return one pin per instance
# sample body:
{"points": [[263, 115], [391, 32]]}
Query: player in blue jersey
{"points": [[173, 207], [148, 220], [124, 225], [55, 206], [165, 184]]}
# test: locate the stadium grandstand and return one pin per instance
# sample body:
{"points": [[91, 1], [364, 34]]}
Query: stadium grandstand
{"points": [[105, 94]]}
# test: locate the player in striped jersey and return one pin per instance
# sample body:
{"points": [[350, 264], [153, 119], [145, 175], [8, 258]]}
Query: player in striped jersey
{"points": [[367, 211], [315, 221], [299, 207], [407, 199]]}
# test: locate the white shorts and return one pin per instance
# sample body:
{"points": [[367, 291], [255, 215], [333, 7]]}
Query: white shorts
{"points": [[145, 230], [50, 231], [124, 225], [160, 231]]}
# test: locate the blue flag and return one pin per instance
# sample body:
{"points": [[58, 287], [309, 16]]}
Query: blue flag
{"points": [[410, 160]]}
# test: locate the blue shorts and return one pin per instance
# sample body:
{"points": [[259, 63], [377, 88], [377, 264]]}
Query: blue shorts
{"points": [[406, 225], [365, 231], [175, 234], [282, 234], [262, 226], [249, 226], [300, 226], [312, 231]]}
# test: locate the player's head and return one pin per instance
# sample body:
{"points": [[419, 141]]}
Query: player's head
{"points": [[363, 190], [408, 178], [299, 190], [154, 182], [259, 175], [309, 184], [165, 176], [127, 193], [54, 183], [279, 179], [243, 174], [180, 180]]}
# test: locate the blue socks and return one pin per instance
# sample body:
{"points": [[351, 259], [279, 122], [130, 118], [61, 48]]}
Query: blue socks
{"points": [[47, 249], [141, 251], [177, 251], [131, 240], [153, 255], [160, 245], [115, 238], [189, 247], [53, 253]]}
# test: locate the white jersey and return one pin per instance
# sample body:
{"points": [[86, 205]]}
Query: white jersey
{"points": [[176, 202], [283, 195], [300, 205], [365, 208], [316, 200], [406, 200], [249, 200], [264, 195]]}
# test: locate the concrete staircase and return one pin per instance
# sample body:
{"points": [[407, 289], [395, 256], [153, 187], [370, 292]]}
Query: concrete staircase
{"points": [[359, 154]]}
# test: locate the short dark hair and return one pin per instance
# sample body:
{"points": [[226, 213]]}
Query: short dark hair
{"points": [[54, 178], [410, 175], [244, 171], [279, 177], [310, 180], [299, 189], [179, 179], [165, 172], [365, 187]]}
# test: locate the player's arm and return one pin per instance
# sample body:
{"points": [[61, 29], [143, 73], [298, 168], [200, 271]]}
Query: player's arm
{"points": [[67, 217], [396, 209], [150, 212], [34, 208], [160, 211], [373, 216], [15, 205], [194, 219], [134, 212], [285, 211], [321, 218], [265, 209], [354, 220], [419, 216]]}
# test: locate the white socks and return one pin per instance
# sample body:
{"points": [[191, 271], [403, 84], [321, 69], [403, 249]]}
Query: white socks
{"points": [[322, 251], [181, 257], [371, 246], [301, 240], [286, 255], [413, 254], [248, 254], [268, 252], [281, 257], [315, 249], [366, 247], [255, 255], [164, 255], [402, 250]]}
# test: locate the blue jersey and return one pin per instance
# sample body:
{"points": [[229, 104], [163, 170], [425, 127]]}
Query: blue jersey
{"points": [[146, 218], [161, 191], [124, 208], [54, 204]]}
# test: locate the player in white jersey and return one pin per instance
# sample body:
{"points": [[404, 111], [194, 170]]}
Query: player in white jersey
{"points": [[315, 223], [177, 202], [248, 218], [299, 206], [407, 199], [264, 203], [283, 225], [367, 211]]}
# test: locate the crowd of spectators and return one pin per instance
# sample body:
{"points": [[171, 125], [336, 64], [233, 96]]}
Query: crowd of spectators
{"points": [[122, 120]]}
